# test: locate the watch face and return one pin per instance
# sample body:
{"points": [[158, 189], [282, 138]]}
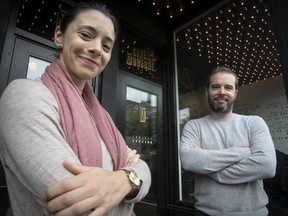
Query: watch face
{"points": [[134, 178]]}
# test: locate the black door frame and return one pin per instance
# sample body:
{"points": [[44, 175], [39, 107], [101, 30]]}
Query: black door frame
{"points": [[125, 79]]}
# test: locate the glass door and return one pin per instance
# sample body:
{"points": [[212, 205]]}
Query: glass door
{"points": [[30, 60], [141, 128], [139, 118]]}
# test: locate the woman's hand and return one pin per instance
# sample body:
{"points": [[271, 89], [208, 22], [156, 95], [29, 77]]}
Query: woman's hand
{"points": [[132, 157], [92, 189]]}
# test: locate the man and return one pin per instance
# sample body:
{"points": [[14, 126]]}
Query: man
{"points": [[229, 153]]}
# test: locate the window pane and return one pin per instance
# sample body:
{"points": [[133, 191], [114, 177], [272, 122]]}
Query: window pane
{"points": [[36, 67], [239, 35], [141, 129]]}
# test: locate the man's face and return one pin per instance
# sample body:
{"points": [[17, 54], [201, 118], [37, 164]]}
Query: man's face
{"points": [[222, 93]]}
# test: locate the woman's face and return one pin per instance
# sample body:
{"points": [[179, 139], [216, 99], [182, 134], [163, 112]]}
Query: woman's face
{"points": [[86, 45]]}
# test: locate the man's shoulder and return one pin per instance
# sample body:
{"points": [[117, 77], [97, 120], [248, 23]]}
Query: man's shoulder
{"points": [[242, 116], [199, 120], [249, 119]]}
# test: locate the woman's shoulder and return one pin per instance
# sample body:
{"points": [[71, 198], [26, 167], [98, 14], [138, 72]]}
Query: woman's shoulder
{"points": [[24, 84], [27, 91], [26, 88]]}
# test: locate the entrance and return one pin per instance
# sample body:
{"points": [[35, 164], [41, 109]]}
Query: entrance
{"points": [[139, 118], [29, 60]]}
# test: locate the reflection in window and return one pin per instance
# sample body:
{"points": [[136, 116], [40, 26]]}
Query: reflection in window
{"points": [[36, 67], [141, 129]]}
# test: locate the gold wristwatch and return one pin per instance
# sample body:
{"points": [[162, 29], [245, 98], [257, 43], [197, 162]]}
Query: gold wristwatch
{"points": [[135, 182]]}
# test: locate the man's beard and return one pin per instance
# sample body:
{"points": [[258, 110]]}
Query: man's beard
{"points": [[220, 108]]}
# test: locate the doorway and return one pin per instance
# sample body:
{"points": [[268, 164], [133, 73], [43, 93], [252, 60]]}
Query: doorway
{"points": [[139, 117]]}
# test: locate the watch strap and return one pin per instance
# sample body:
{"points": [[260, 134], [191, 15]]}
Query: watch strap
{"points": [[135, 188]]}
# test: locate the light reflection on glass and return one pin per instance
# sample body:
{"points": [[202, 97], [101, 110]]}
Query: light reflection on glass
{"points": [[36, 67], [141, 129]]}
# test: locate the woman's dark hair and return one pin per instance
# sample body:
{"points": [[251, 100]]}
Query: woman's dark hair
{"points": [[88, 5], [222, 70]]}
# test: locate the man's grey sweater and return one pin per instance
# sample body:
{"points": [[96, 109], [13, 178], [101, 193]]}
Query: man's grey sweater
{"points": [[228, 177]]}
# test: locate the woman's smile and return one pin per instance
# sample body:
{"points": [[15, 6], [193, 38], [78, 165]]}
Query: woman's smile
{"points": [[89, 62]]}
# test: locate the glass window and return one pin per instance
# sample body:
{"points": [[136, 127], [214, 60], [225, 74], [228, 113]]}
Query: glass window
{"points": [[239, 35], [141, 129], [36, 67], [139, 55]]}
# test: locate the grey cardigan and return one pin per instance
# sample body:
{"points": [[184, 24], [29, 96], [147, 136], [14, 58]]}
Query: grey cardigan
{"points": [[33, 148]]}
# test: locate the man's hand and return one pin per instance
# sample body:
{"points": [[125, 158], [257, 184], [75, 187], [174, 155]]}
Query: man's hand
{"points": [[194, 146], [249, 151], [92, 189]]}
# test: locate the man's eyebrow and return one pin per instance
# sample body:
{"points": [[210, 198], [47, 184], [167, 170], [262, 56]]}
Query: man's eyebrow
{"points": [[94, 30]]}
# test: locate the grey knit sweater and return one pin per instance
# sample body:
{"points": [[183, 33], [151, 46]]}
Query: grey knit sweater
{"points": [[228, 179]]}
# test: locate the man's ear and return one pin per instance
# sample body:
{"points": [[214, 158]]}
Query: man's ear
{"points": [[236, 93], [58, 37]]}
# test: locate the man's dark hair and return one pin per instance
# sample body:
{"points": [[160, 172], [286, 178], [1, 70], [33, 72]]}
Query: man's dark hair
{"points": [[222, 70]]}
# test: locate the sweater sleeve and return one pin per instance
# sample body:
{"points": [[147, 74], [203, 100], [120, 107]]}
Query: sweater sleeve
{"points": [[204, 161], [260, 165], [33, 145], [143, 171]]}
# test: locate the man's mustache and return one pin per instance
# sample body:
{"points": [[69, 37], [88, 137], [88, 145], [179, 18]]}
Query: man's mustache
{"points": [[221, 98]]}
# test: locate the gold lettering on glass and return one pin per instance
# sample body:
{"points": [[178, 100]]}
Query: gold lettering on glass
{"points": [[142, 115], [141, 59]]}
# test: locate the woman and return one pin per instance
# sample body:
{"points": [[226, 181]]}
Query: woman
{"points": [[61, 151]]}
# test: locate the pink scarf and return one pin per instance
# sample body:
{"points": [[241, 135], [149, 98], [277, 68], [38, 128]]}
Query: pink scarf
{"points": [[84, 120]]}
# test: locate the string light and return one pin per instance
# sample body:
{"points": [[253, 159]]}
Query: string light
{"points": [[249, 41], [239, 34]]}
